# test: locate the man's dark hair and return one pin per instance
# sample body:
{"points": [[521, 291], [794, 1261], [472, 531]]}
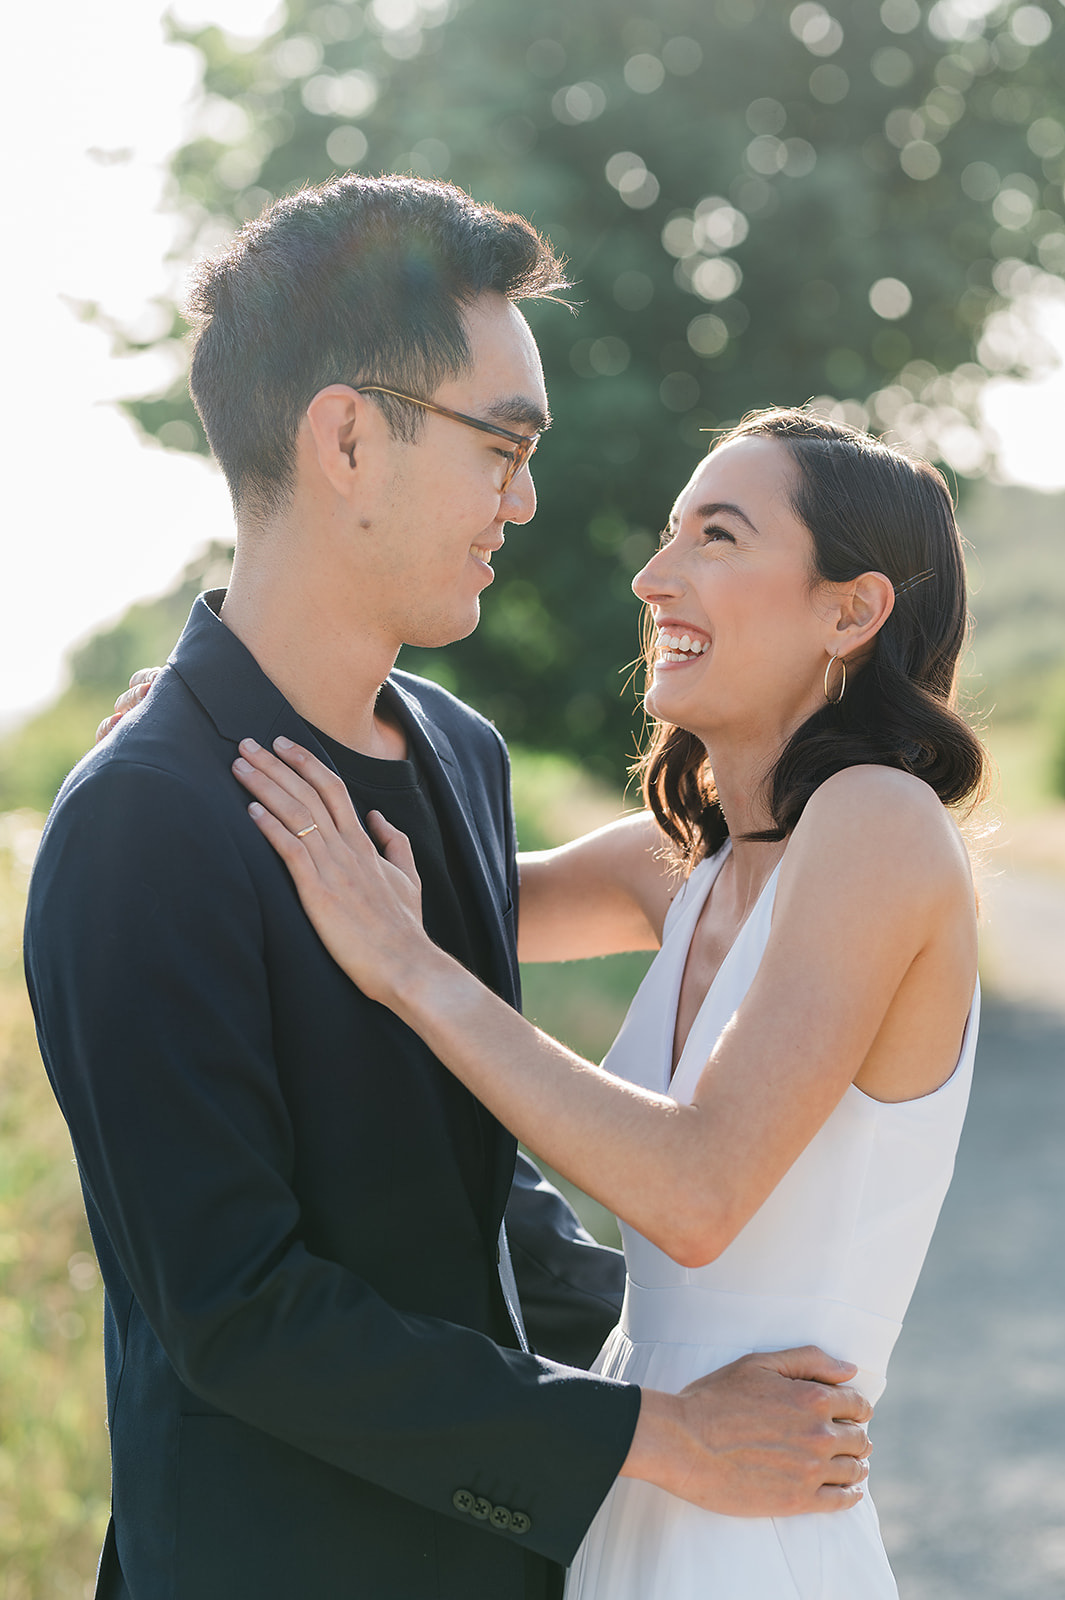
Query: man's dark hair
{"points": [[359, 280]]}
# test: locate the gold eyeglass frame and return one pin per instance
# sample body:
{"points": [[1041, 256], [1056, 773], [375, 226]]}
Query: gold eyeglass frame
{"points": [[526, 443]]}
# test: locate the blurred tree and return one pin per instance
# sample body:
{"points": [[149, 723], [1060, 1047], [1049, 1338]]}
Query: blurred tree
{"points": [[37, 756], [760, 203]]}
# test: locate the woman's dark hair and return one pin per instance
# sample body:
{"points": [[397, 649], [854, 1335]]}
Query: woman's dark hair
{"points": [[868, 508], [358, 280]]}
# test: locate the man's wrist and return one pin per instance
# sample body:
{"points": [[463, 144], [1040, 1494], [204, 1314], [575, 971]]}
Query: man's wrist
{"points": [[662, 1446]]}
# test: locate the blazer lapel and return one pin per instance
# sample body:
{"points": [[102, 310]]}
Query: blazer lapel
{"points": [[487, 878], [435, 750]]}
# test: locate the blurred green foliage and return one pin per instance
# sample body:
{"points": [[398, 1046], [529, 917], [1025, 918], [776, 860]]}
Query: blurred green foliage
{"points": [[737, 184], [36, 758], [53, 1438]]}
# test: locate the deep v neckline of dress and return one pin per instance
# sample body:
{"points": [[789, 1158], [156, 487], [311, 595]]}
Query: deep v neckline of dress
{"points": [[693, 913]]}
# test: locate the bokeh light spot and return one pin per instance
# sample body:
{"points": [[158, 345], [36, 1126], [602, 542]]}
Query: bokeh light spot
{"points": [[707, 335], [900, 16], [644, 73], [346, 146], [829, 84], [892, 67], [816, 29], [920, 160], [1030, 26], [682, 56], [890, 298]]}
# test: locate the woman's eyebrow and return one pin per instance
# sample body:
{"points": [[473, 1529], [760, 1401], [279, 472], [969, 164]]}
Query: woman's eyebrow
{"points": [[716, 507]]}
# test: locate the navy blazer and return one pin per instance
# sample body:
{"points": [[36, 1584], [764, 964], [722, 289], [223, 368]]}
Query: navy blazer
{"points": [[313, 1385]]}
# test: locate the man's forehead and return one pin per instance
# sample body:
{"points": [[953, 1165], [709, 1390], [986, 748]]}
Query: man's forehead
{"points": [[507, 374]]}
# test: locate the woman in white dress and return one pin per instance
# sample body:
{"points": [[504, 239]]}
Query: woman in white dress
{"points": [[776, 1123]]}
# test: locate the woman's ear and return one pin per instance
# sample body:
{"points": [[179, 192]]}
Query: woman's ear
{"points": [[334, 419], [864, 605]]}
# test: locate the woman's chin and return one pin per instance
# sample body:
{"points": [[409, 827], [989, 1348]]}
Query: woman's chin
{"points": [[665, 702]]}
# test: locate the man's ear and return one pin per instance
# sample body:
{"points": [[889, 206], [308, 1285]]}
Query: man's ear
{"points": [[335, 420], [863, 606]]}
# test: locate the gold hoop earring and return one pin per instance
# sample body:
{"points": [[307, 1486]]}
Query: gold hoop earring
{"points": [[842, 683]]}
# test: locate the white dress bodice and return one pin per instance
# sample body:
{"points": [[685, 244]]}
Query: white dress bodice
{"points": [[831, 1258]]}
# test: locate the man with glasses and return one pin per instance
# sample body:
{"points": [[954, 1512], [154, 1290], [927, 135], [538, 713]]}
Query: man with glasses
{"points": [[320, 1382]]}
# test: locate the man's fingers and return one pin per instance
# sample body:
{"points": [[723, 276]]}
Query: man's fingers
{"points": [[832, 1497], [810, 1362], [852, 1439], [848, 1405]]}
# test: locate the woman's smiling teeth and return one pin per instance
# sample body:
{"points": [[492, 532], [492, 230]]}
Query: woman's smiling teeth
{"points": [[482, 552], [679, 646]]}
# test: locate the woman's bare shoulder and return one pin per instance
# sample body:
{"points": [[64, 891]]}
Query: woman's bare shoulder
{"points": [[879, 819]]}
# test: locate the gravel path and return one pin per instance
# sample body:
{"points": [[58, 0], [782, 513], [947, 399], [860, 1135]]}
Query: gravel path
{"points": [[969, 1466]]}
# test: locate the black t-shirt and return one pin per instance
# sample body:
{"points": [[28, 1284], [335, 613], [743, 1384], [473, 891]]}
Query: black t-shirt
{"points": [[401, 791]]}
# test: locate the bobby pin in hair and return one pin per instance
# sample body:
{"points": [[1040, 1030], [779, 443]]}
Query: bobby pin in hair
{"points": [[911, 583]]}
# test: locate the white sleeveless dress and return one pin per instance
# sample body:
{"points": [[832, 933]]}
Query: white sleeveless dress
{"points": [[831, 1258]]}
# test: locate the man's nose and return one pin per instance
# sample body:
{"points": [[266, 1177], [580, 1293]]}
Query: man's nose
{"points": [[518, 501]]}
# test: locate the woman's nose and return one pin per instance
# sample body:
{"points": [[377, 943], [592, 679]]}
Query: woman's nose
{"points": [[659, 579]]}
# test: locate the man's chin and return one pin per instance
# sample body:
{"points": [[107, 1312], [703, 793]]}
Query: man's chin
{"points": [[448, 632]]}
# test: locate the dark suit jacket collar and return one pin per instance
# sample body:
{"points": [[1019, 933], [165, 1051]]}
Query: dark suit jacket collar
{"points": [[229, 683], [242, 702]]}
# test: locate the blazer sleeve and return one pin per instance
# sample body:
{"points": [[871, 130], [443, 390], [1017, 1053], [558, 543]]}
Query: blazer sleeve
{"points": [[145, 957], [570, 1286]]}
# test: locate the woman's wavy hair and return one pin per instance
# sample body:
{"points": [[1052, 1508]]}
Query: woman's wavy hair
{"points": [[868, 508]]}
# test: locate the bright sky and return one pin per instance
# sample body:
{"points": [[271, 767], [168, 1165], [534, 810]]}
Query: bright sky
{"points": [[94, 103]]}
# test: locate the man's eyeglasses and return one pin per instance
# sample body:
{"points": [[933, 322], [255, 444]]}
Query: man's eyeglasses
{"points": [[524, 443]]}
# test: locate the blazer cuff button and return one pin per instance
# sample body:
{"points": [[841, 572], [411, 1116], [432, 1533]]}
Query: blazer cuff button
{"points": [[500, 1519], [482, 1510], [520, 1522], [464, 1500]]}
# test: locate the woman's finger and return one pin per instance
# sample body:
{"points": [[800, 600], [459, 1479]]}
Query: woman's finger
{"points": [[106, 725], [300, 816], [286, 777], [327, 784], [293, 851], [393, 845], [139, 685]]}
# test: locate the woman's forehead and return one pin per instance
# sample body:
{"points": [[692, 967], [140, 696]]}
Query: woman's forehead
{"points": [[753, 471]]}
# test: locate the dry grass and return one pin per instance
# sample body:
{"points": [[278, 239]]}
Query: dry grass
{"points": [[53, 1439]]}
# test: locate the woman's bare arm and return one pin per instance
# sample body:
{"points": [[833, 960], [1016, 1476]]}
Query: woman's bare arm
{"points": [[874, 900], [605, 892]]}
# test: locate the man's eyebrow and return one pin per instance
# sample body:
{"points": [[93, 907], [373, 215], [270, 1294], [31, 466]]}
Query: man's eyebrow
{"points": [[714, 508], [521, 411]]}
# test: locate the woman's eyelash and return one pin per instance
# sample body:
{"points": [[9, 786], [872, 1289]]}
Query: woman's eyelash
{"points": [[665, 537], [716, 528]]}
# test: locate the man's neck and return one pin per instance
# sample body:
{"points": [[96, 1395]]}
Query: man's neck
{"points": [[330, 673]]}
